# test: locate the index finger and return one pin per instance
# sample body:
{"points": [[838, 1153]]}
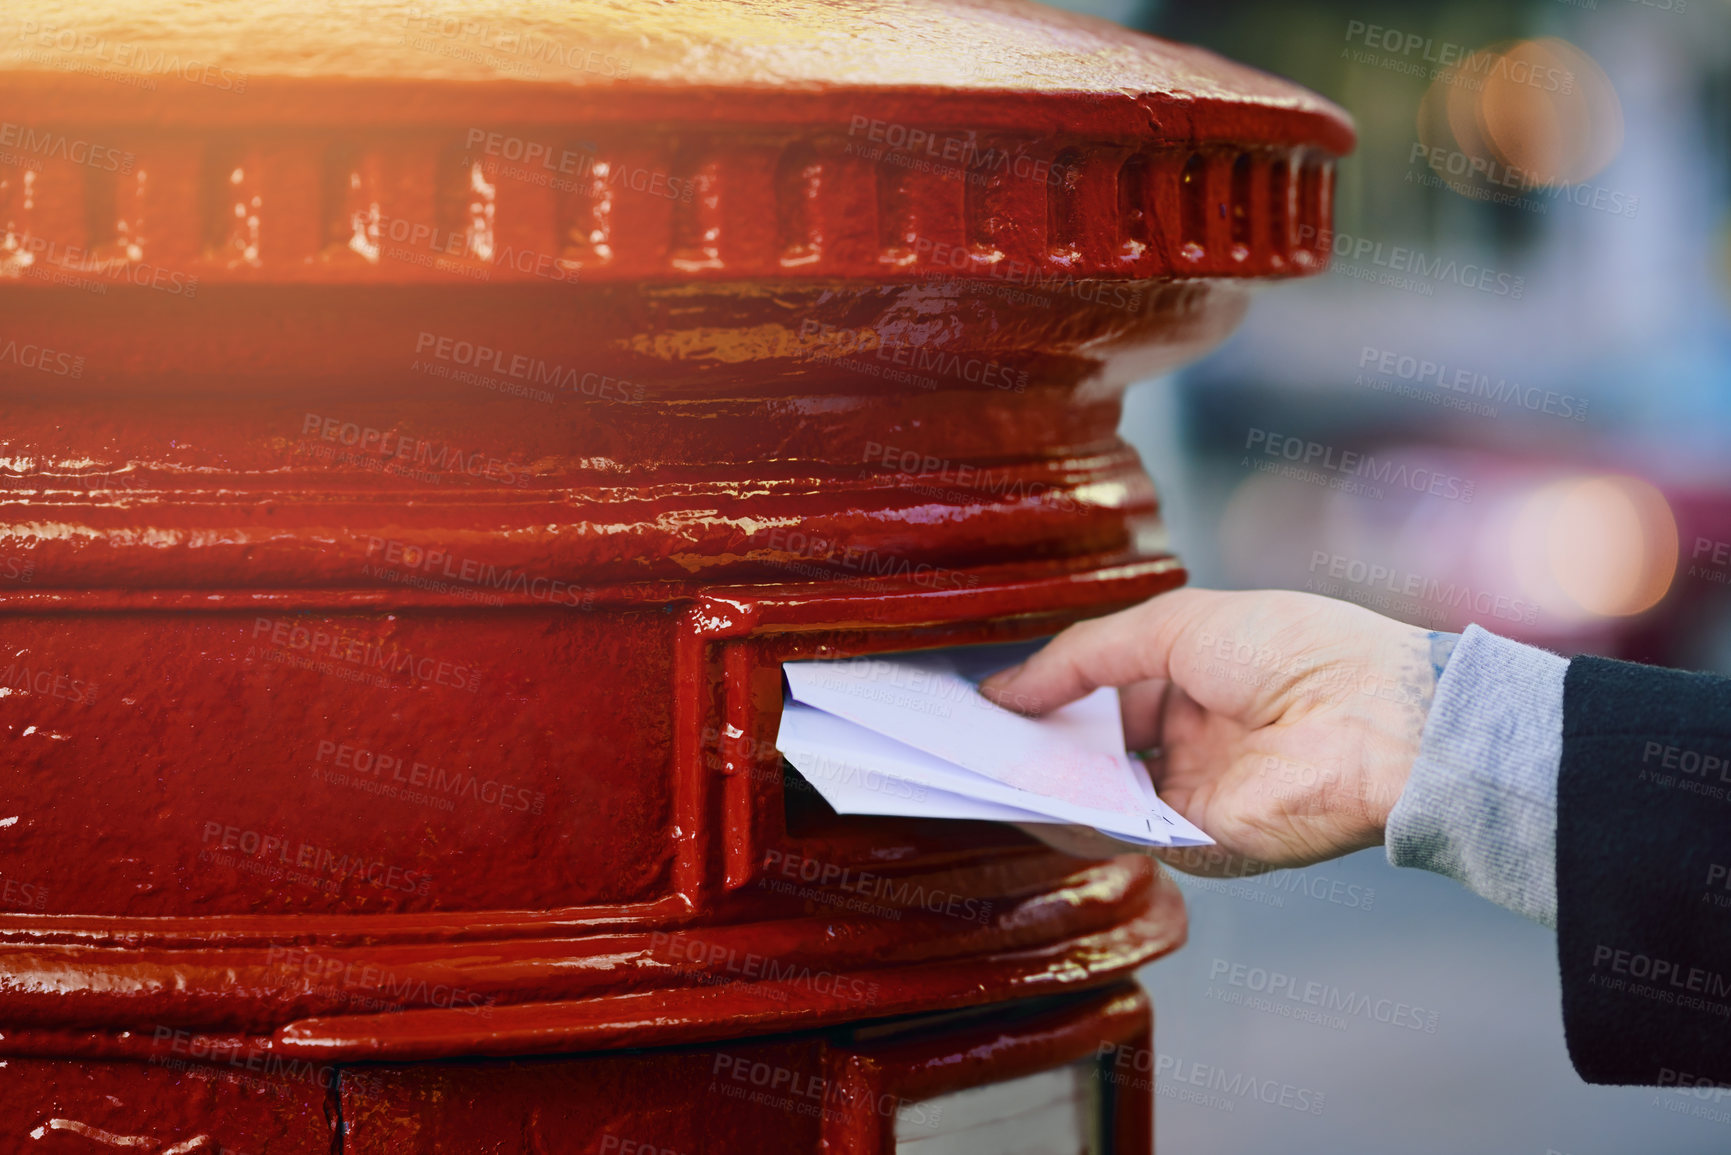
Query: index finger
{"points": [[1120, 649]]}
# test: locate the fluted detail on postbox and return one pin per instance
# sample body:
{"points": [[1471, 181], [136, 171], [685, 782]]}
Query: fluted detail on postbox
{"points": [[902, 213], [17, 216], [801, 183], [1315, 210], [234, 199], [1068, 220], [119, 213], [694, 189], [45, 216], [352, 207], [1241, 208], [746, 192], [1135, 207], [170, 194], [1194, 195], [611, 206], [1282, 207], [583, 206]]}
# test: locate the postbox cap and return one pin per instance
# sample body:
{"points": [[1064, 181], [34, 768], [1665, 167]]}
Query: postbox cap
{"points": [[467, 142], [931, 48]]}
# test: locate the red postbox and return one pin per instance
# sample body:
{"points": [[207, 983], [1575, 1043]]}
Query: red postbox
{"points": [[428, 428]]}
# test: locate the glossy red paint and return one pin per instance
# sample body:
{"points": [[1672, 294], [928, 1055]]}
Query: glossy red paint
{"points": [[424, 436]]}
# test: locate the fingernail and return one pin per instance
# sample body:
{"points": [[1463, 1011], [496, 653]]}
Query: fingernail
{"points": [[1002, 677]]}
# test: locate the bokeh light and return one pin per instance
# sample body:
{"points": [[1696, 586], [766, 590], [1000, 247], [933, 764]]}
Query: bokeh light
{"points": [[1521, 115], [1594, 547]]}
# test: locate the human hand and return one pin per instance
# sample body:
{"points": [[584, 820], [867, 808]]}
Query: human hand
{"points": [[1283, 724]]}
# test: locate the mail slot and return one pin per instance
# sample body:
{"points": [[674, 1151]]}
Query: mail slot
{"points": [[428, 434]]}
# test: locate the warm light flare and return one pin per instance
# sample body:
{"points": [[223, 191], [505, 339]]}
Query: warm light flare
{"points": [[1595, 547], [1520, 116]]}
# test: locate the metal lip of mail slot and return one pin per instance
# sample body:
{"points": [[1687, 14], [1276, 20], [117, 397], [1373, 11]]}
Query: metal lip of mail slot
{"points": [[419, 505]]}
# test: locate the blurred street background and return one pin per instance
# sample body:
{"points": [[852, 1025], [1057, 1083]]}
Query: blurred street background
{"points": [[1531, 297]]}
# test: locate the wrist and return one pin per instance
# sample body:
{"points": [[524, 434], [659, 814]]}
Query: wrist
{"points": [[1480, 802], [1416, 668]]}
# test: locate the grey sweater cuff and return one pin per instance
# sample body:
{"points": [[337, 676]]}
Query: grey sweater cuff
{"points": [[1481, 804]]}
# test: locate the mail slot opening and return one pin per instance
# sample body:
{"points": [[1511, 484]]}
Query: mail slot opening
{"points": [[1060, 1110]]}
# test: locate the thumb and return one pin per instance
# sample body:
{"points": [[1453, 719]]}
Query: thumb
{"points": [[1120, 649]]}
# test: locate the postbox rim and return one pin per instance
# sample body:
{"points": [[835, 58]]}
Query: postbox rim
{"points": [[942, 49]]}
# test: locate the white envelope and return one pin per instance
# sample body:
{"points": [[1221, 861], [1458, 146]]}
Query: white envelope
{"points": [[910, 734]]}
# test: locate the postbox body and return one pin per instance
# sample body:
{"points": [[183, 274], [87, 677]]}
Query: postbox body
{"points": [[427, 433]]}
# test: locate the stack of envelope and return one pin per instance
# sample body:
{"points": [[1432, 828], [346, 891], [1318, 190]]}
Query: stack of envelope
{"points": [[911, 735]]}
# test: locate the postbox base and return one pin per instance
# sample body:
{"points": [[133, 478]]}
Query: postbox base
{"points": [[1076, 1067]]}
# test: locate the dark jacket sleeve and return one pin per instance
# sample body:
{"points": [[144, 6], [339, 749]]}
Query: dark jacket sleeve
{"points": [[1644, 873]]}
